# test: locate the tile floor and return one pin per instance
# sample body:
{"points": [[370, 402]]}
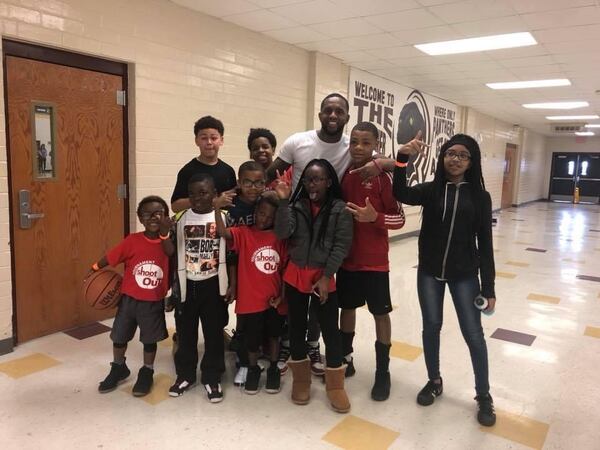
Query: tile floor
{"points": [[543, 369]]}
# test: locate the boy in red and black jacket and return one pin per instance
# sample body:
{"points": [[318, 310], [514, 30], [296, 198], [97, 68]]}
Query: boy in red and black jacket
{"points": [[364, 275]]}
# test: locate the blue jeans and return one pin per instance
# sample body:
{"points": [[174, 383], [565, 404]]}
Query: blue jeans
{"points": [[431, 299]]}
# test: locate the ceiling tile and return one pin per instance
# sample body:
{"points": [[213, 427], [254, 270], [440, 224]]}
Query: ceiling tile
{"points": [[371, 7], [500, 25], [372, 41], [406, 51], [373, 65], [565, 34], [562, 18], [471, 10], [426, 35], [262, 20], [218, 9], [405, 20], [355, 56], [315, 11], [347, 28], [527, 62], [296, 35], [546, 5]]}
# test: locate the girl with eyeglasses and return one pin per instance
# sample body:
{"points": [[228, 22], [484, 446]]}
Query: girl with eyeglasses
{"points": [[319, 232], [455, 248]]}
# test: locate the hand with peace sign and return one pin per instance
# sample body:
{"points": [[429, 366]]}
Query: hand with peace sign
{"points": [[282, 188]]}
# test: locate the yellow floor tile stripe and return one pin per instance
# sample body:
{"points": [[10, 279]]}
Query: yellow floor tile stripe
{"points": [[517, 263], [544, 298], [521, 429], [354, 433], [592, 332], [523, 243], [405, 351], [27, 365], [506, 274], [160, 389]]}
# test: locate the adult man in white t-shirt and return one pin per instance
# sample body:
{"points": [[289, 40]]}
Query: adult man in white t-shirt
{"points": [[329, 142]]}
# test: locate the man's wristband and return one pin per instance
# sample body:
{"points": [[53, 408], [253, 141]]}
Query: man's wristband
{"points": [[164, 238], [95, 267], [401, 164]]}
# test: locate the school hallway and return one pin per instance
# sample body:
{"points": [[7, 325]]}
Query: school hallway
{"points": [[543, 343]]}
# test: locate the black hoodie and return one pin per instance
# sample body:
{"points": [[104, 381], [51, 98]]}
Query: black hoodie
{"points": [[456, 232]]}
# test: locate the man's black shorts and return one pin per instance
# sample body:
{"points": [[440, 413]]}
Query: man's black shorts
{"points": [[357, 288]]}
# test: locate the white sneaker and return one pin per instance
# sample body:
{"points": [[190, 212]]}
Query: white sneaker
{"points": [[240, 376]]}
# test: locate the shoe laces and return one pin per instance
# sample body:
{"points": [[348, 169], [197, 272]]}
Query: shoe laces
{"points": [[486, 403], [314, 353]]}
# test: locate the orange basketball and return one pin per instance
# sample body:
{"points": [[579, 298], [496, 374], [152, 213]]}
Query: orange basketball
{"points": [[102, 289]]}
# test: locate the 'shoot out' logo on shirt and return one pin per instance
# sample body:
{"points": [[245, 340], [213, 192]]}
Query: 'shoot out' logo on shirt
{"points": [[266, 260], [147, 275]]}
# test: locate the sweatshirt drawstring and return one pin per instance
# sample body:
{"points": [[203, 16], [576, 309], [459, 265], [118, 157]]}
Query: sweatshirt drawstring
{"points": [[445, 201]]}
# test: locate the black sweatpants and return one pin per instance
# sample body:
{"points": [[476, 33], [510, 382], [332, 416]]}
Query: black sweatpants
{"points": [[203, 304], [298, 304]]}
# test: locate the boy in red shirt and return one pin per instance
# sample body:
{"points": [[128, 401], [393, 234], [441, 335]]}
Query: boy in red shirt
{"points": [[364, 274], [260, 261], [145, 284]]}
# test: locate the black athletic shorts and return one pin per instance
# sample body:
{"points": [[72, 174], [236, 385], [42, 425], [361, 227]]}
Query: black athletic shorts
{"points": [[132, 313], [354, 289]]}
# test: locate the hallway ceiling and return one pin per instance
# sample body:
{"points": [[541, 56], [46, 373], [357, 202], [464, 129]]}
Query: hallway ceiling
{"points": [[378, 36]]}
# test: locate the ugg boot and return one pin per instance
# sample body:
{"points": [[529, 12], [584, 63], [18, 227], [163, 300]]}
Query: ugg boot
{"points": [[301, 381], [381, 387], [334, 382]]}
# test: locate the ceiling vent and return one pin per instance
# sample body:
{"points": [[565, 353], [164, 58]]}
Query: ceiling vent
{"points": [[567, 128]]}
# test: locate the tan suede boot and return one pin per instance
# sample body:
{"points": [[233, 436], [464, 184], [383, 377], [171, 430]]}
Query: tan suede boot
{"points": [[334, 382], [301, 381]]}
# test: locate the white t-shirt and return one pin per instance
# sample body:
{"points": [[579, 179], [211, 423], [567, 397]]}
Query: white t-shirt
{"points": [[201, 245], [300, 148]]}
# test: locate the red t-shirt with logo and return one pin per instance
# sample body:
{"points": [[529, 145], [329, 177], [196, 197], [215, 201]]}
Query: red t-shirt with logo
{"points": [[261, 257], [146, 274]]}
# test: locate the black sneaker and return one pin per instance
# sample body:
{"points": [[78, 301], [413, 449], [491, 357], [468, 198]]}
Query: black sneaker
{"points": [[381, 387], [144, 382], [350, 370], [252, 380], [118, 373], [180, 387], [428, 394], [273, 385], [486, 415], [214, 392]]}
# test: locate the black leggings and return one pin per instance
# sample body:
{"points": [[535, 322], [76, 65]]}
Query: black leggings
{"points": [[298, 305]]}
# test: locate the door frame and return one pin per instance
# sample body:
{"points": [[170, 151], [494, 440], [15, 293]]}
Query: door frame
{"points": [[511, 149], [577, 154], [69, 59]]}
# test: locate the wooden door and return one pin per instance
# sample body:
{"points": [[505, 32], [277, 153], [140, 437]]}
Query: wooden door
{"points": [[75, 189], [509, 175]]}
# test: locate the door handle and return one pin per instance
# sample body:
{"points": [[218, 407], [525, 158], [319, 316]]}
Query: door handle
{"points": [[31, 216], [26, 216]]}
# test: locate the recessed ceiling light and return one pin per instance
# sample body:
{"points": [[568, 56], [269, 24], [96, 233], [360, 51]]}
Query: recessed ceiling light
{"points": [[593, 125], [529, 84], [584, 133], [556, 105], [590, 117], [478, 44]]}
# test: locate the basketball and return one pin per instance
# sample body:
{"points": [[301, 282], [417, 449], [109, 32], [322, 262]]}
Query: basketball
{"points": [[102, 289]]}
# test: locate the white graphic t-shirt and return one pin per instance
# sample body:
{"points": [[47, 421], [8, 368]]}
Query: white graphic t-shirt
{"points": [[201, 246]]}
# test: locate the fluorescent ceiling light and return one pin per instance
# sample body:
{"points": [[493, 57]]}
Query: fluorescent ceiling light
{"points": [[593, 125], [591, 117], [584, 133], [529, 84], [479, 44], [556, 105]]}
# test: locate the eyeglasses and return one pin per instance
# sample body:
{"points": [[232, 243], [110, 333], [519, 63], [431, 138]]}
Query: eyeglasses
{"points": [[314, 180], [461, 156], [258, 184], [149, 215]]}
